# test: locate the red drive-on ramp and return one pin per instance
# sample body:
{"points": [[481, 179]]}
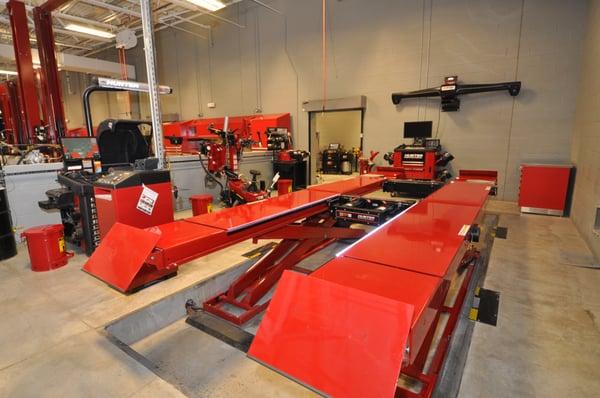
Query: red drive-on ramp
{"points": [[339, 341], [124, 248]]}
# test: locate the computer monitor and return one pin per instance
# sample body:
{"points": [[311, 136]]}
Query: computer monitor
{"points": [[80, 147], [418, 129]]}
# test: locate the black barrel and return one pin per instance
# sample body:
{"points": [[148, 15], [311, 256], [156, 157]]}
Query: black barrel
{"points": [[8, 246]]}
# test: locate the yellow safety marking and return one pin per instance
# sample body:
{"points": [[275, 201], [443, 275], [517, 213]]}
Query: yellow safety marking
{"points": [[209, 208], [477, 291], [473, 314], [61, 245]]}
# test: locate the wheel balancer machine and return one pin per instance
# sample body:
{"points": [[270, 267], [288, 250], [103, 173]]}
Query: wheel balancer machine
{"points": [[106, 177]]}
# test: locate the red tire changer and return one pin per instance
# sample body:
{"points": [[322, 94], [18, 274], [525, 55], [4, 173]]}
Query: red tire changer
{"points": [[222, 160]]}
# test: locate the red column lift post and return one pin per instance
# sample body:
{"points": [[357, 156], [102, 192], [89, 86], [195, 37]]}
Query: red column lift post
{"points": [[49, 72], [30, 112]]}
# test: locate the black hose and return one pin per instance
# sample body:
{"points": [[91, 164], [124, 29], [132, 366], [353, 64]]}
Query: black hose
{"points": [[87, 112], [211, 175]]}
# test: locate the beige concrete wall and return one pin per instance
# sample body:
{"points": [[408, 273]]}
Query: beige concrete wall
{"points": [[586, 136], [377, 47], [104, 105]]}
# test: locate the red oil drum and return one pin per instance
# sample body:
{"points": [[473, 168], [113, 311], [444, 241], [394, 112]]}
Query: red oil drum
{"points": [[284, 186], [46, 245], [201, 204]]}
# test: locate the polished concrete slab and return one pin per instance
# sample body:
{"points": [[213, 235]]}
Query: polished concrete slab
{"points": [[52, 338], [546, 343]]}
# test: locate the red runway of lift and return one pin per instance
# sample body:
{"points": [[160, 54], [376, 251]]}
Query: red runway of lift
{"points": [[342, 331]]}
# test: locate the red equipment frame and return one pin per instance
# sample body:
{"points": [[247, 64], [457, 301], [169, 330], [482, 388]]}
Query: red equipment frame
{"points": [[416, 369], [298, 242], [246, 126], [9, 104]]}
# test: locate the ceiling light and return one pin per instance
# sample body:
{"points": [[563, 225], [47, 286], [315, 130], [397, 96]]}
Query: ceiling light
{"points": [[8, 72], [210, 5], [90, 31]]}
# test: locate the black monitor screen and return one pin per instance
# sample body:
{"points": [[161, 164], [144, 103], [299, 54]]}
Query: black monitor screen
{"points": [[418, 129]]}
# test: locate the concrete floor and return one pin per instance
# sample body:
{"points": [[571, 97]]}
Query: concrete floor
{"points": [[52, 339], [547, 341], [53, 344]]}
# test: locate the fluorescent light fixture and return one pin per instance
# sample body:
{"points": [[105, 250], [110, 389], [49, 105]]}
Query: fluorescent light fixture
{"points": [[89, 31], [210, 5], [8, 72]]}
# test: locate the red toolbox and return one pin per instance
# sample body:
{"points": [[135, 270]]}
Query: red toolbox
{"points": [[545, 188]]}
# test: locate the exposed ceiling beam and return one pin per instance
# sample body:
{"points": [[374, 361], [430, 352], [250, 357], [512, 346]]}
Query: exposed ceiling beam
{"points": [[112, 7], [87, 21], [51, 5], [267, 6], [68, 32], [201, 11], [156, 29], [184, 30], [70, 17], [189, 20]]}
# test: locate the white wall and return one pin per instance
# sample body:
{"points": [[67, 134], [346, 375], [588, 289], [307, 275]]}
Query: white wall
{"points": [[380, 46], [586, 137]]}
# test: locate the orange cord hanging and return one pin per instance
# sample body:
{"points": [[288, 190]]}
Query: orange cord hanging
{"points": [[324, 54], [124, 76], [122, 63]]}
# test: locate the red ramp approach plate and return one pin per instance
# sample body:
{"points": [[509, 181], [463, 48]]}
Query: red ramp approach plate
{"points": [[121, 255], [336, 340]]}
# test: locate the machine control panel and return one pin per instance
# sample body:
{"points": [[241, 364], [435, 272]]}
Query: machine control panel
{"points": [[360, 210], [130, 178]]}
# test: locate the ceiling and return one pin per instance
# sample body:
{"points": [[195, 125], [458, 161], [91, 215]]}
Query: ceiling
{"points": [[117, 15]]}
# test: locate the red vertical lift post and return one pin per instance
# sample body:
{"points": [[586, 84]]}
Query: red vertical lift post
{"points": [[50, 83], [30, 112], [42, 17]]}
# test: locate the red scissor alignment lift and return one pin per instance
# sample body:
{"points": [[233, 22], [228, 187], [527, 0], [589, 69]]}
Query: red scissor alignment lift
{"points": [[354, 325], [358, 322]]}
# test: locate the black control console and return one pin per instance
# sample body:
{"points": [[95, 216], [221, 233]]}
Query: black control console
{"points": [[360, 210]]}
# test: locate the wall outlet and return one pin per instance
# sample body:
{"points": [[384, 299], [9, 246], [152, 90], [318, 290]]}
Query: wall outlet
{"points": [[211, 105]]}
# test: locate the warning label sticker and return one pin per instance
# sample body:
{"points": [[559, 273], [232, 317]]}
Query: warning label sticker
{"points": [[147, 201]]}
